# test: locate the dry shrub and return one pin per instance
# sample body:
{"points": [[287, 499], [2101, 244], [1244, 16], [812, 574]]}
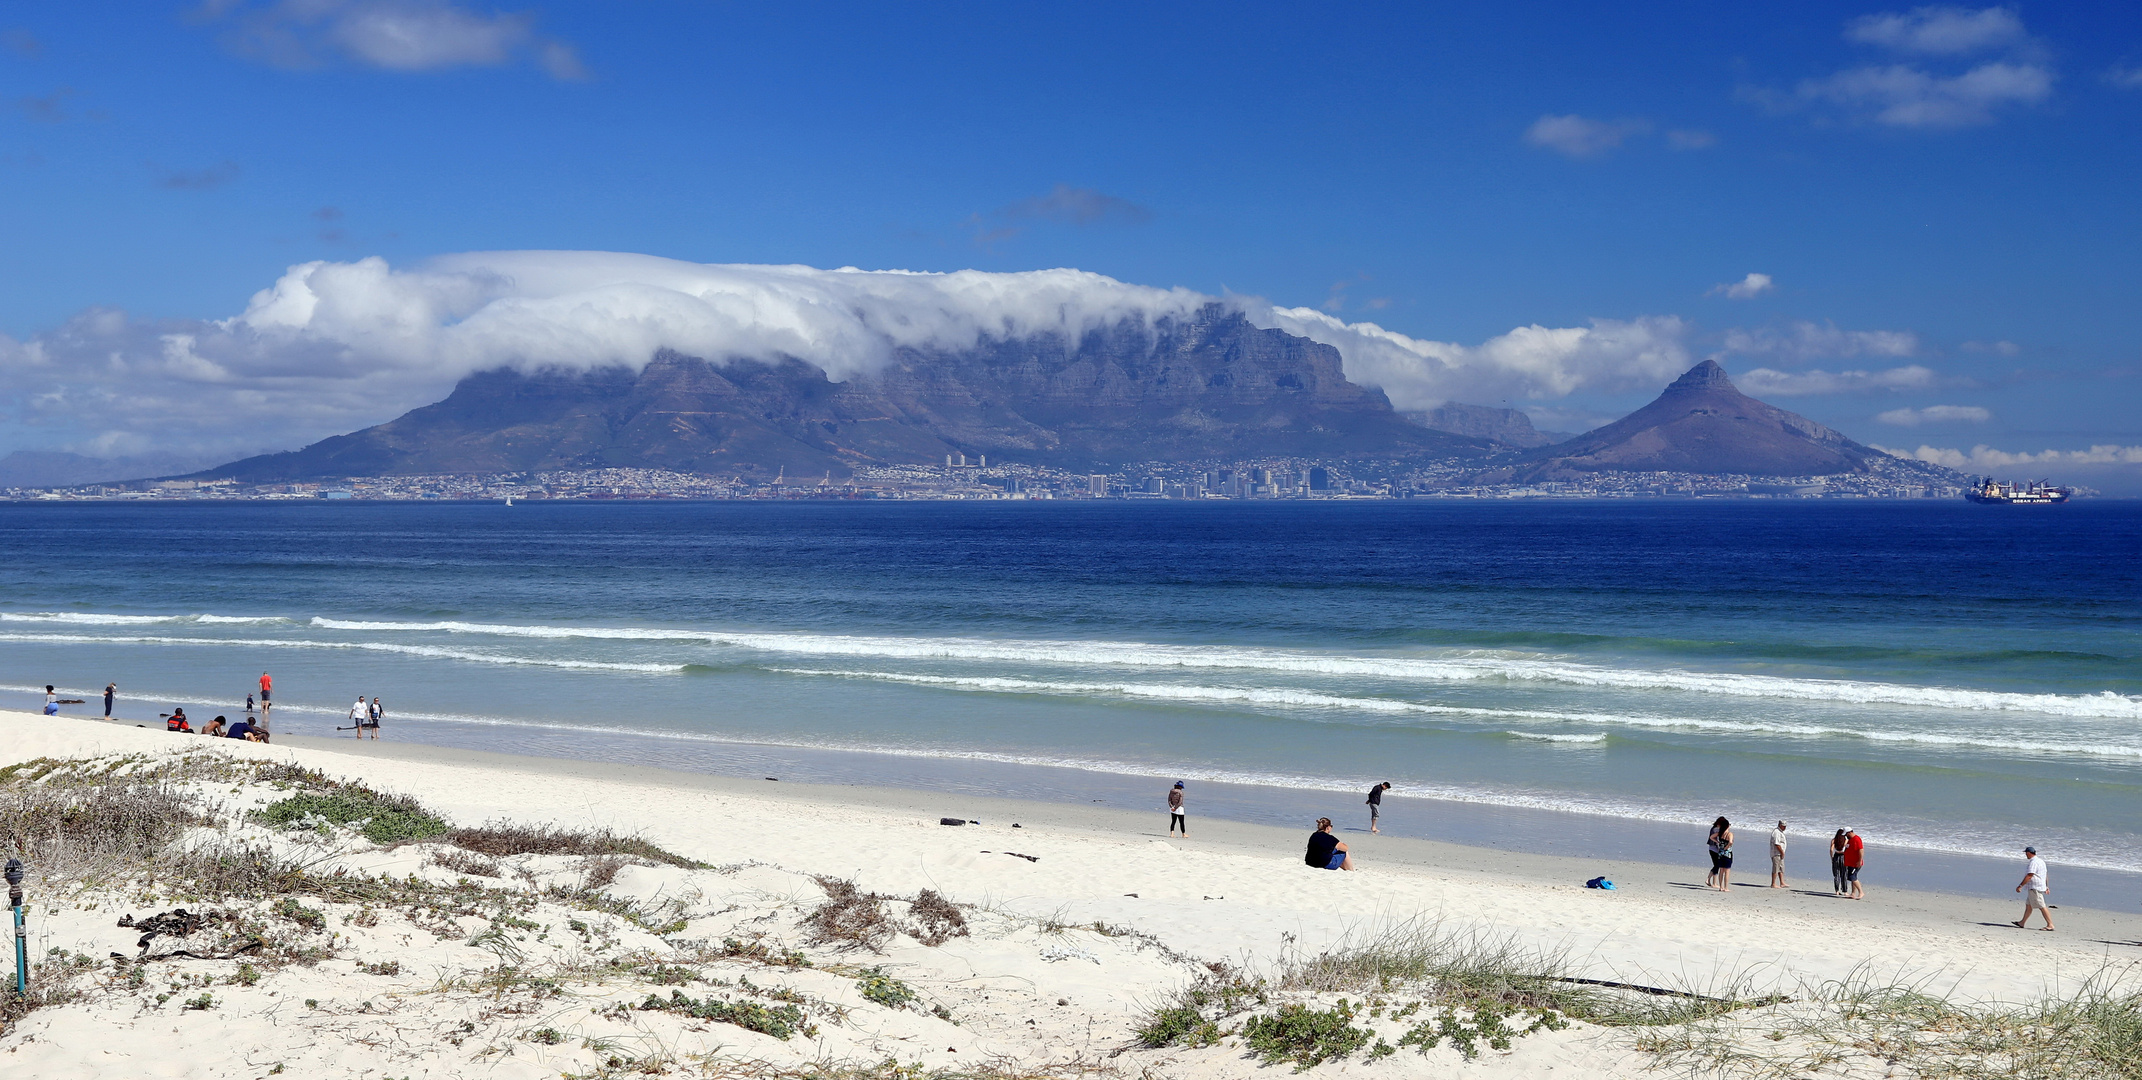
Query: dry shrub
{"points": [[602, 870], [936, 920], [467, 862], [850, 918], [512, 838], [74, 830]]}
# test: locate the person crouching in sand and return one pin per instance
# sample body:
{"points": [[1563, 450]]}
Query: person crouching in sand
{"points": [[1327, 852]]}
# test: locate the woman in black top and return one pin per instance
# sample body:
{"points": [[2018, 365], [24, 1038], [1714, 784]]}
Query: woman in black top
{"points": [[1327, 852]]}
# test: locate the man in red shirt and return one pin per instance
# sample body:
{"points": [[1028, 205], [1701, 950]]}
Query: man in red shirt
{"points": [[267, 685], [1855, 856]]}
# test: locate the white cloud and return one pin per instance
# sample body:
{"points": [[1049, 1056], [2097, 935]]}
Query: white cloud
{"points": [[1983, 458], [1765, 382], [2128, 78], [1935, 414], [1690, 139], [1904, 96], [1803, 341], [1747, 288], [1579, 137], [333, 346], [1998, 348], [398, 35], [1939, 30], [1528, 362]]}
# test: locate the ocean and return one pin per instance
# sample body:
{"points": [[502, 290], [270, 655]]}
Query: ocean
{"points": [[1951, 680]]}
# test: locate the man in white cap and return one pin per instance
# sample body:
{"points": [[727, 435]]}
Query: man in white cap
{"points": [[2033, 888]]}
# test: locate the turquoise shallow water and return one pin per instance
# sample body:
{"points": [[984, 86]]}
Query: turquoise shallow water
{"points": [[1947, 678]]}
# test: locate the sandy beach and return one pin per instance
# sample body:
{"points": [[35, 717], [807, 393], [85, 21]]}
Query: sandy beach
{"points": [[1030, 988]]}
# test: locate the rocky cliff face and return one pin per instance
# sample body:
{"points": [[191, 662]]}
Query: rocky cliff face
{"points": [[1702, 423], [1210, 386], [1505, 427]]}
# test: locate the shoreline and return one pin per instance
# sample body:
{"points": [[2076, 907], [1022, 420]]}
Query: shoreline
{"points": [[1577, 846]]}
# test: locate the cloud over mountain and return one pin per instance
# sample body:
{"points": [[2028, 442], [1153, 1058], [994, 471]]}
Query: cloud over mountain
{"points": [[335, 345]]}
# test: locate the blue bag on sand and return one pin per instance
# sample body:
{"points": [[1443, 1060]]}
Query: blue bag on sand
{"points": [[1598, 883]]}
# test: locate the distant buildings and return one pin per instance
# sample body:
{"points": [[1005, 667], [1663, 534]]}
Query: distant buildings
{"points": [[961, 479]]}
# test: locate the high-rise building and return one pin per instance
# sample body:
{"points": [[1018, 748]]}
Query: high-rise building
{"points": [[1154, 485], [1097, 486], [1319, 478]]}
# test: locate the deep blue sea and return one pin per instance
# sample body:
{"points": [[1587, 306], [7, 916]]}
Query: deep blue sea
{"points": [[1942, 676]]}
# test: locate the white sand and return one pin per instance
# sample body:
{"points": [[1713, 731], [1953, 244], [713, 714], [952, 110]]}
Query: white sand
{"points": [[1021, 992]]}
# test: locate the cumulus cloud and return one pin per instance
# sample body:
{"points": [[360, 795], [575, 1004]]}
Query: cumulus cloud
{"points": [[1767, 382], [1528, 362], [1983, 458], [1935, 414], [1911, 95], [1939, 30], [1803, 341], [2126, 78], [1747, 288], [333, 346], [1899, 95], [1579, 137], [1997, 348], [397, 35], [1690, 139]]}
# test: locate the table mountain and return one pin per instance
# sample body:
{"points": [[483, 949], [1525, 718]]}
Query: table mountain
{"points": [[1207, 386]]}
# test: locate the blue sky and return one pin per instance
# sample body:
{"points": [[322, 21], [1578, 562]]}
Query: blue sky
{"points": [[1944, 192]]}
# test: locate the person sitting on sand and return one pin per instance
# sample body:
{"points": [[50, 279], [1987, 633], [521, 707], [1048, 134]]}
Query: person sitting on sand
{"points": [[1327, 852], [215, 728], [177, 722], [243, 729]]}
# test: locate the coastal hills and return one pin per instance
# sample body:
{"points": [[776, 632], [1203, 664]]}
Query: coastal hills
{"points": [[1702, 423], [1208, 386]]}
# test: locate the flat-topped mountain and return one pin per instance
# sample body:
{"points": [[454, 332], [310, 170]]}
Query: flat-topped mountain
{"points": [[1702, 423], [1208, 386]]}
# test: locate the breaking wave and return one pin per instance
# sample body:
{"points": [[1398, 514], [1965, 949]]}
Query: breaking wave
{"points": [[1450, 669]]}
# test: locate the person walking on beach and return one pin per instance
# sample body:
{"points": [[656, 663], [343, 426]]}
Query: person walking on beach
{"points": [[1855, 857], [1326, 851], [1375, 803], [358, 712], [1837, 874], [111, 690], [249, 704], [374, 714], [2034, 888], [1777, 856], [1176, 820], [1720, 843]]}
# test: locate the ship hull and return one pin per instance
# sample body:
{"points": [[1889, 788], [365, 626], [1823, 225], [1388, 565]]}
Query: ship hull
{"points": [[2018, 500]]}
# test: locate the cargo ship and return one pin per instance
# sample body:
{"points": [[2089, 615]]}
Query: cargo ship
{"points": [[1986, 489]]}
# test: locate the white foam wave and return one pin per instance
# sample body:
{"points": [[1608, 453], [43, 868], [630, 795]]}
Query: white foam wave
{"points": [[1455, 668], [83, 618], [1548, 736], [1300, 699], [360, 646]]}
